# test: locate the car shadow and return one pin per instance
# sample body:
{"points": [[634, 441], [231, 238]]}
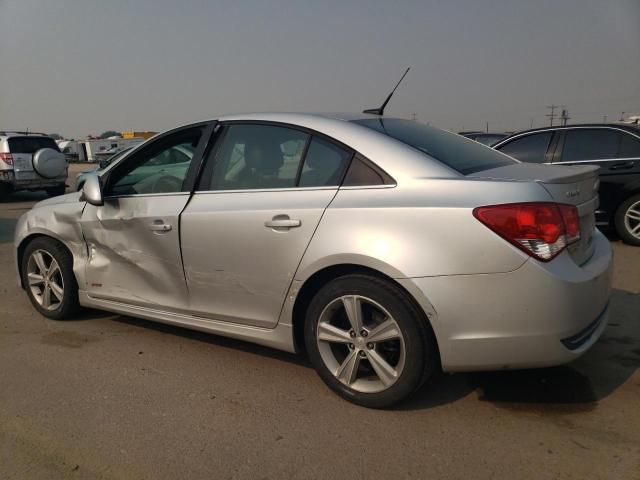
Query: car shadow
{"points": [[213, 339], [23, 197], [7, 228], [572, 388]]}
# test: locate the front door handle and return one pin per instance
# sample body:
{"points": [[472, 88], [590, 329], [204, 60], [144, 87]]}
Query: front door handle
{"points": [[282, 221], [159, 226], [621, 166]]}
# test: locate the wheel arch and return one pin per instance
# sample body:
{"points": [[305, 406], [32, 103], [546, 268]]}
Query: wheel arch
{"points": [[313, 283]]}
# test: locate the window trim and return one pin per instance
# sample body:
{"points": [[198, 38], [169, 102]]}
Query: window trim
{"points": [[208, 163], [196, 160]]}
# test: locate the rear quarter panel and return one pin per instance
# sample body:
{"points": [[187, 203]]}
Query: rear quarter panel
{"points": [[424, 229]]}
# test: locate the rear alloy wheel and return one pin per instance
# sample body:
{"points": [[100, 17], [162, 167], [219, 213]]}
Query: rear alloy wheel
{"points": [[47, 273], [627, 220], [367, 341]]}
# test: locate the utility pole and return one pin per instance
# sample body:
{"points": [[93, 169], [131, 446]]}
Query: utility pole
{"points": [[531, 123], [414, 116], [622, 117], [564, 116], [552, 115], [486, 127]]}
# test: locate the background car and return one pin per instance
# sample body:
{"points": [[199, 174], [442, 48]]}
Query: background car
{"points": [[383, 248], [31, 161], [483, 137], [102, 165], [614, 148]]}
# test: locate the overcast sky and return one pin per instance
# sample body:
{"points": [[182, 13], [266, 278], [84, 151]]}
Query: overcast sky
{"points": [[80, 67]]}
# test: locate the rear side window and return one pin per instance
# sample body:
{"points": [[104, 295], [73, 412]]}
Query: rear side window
{"points": [[324, 164], [464, 155], [530, 148], [257, 157], [590, 144], [629, 146], [31, 144]]}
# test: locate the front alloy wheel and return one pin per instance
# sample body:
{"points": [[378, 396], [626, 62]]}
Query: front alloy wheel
{"points": [[47, 276], [45, 280]]}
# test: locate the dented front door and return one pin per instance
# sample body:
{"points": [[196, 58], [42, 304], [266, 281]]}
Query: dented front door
{"points": [[134, 251]]}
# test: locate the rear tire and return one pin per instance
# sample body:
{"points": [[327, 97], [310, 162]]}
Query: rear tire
{"points": [[56, 191], [47, 274], [394, 353], [627, 220]]}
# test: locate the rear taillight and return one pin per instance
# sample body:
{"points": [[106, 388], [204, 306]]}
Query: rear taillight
{"points": [[6, 158], [540, 229]]}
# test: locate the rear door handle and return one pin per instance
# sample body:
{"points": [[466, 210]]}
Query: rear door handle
{"points": [[282, 221], [621, 166], [159, 226]]}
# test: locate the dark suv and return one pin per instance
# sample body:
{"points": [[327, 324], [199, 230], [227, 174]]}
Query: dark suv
{"points": [[615, 148]]}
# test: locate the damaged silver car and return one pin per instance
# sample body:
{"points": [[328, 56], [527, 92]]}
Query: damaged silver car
{"points": [[382, 247]]}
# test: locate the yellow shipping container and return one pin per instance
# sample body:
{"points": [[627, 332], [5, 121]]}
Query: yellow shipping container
{"points": [[133, 134]]}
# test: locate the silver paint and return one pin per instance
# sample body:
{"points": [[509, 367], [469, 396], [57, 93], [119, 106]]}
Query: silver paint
{"points": [[215, 261]]}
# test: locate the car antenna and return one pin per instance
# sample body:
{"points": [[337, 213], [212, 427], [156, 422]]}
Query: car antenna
{"points": [[380, 109]]}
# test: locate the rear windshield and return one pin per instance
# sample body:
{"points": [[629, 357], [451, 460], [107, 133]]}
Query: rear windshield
{"points": [[31, 144], [464, 155]]}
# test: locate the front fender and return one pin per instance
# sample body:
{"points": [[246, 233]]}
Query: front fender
{"points": [[61, 222]]}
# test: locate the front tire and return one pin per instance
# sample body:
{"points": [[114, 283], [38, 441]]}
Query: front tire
{"points": [[47, 273], [627, 220], [368, 341]]}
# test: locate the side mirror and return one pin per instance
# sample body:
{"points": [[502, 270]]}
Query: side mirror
{"points": [[92, 191], [103, 164]]}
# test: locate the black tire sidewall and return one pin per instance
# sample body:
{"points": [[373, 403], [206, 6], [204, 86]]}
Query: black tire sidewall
{"points": [[69, 305], [621, 229], [418, 348]]}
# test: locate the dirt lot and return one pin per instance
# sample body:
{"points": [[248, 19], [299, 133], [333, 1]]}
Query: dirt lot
{"points": [[108, 396]]}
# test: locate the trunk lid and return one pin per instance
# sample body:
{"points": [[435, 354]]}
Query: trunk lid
{"points": [[572, 185]]}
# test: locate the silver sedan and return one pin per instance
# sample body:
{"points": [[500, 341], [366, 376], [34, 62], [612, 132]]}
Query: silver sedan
{"points": [[383, 248]]}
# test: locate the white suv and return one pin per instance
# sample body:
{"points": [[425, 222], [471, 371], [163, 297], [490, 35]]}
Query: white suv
{"points": [[31, 161]]}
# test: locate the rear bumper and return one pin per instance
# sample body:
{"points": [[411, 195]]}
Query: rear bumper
{"points": [[541, 314], [8, 177]]}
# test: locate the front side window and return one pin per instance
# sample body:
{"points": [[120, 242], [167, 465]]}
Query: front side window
{"points": [[257, 157], [161, 167], [530, 148], [590, 144]]}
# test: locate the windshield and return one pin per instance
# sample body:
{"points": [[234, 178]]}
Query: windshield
{"points": [[464, 155]]}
